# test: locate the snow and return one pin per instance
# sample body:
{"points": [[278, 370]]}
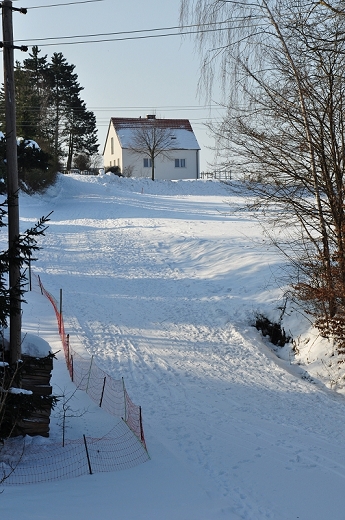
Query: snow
{"points": [[32, 345], [161, 284], [29, 143], [35, 346], [19, 391]]}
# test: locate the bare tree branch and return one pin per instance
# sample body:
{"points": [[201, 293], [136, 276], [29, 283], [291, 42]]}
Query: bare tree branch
{"points": [[152, 140], [281, 65]]}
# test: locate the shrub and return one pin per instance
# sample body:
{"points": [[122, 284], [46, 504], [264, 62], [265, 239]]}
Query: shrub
{"points": [[274, 331], [36, 171]]}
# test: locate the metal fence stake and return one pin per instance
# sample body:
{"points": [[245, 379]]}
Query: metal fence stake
{"points": [[87, 455], [101, 400]]}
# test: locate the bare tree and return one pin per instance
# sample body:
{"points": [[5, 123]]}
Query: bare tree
{"points": [[66, 412], [152, 139], [282, 67]]}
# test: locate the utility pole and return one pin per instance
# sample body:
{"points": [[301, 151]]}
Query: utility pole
{"points": [[12, 179]]}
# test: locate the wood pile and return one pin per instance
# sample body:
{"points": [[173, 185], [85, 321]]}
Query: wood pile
{"points": [[36, 376]]}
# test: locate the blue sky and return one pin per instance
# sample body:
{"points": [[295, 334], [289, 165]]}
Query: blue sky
{"points": [[123, 78]]}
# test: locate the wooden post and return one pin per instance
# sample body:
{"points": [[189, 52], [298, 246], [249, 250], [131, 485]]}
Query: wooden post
{"points": [[141, 427], [12, 182], [72, 374], [88, 378], [60, 313], [102, 394], [63, 428], [124, 399], [40, 284], [87, 455], [30, 282], [67, 343]]}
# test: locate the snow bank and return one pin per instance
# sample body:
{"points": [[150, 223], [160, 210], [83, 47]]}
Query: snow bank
{"points": [[35, 346]]}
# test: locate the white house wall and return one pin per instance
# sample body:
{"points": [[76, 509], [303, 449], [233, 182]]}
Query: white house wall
{"points": [[164, 167], [112, 154]]}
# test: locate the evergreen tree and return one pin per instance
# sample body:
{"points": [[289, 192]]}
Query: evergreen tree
{"points": [[50, 110], [38, 69], [80, 131], [34, 167], [64, 90], [26, 105], [16, 407], [35, 69]]}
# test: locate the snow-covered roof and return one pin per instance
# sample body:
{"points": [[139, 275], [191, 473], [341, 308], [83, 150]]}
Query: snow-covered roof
{"points": [[182, 134]]}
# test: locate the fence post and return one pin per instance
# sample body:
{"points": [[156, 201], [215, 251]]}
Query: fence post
{"points": [[67, 343], [60, 315], [30, 284], [40, 283], [88, 378], [141, 427], [124, 398], [87, 455], [101, 400], [72, 374]]}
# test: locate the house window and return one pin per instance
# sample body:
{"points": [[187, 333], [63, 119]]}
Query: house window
{"points": [[147, 163], [112, 146], [180, 163]]}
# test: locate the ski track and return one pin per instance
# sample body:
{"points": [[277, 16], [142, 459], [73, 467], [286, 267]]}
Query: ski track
{"points": [[208, 388]]}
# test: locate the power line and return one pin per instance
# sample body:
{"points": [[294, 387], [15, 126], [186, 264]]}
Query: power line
{"points": [[129, 37], [181, 29], [67, 3], [121, 32], [147, 107]]}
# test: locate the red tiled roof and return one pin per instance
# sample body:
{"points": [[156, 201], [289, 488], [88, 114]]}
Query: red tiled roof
{"points": [[135, 122]]}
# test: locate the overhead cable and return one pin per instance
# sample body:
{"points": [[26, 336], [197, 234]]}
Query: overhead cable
{"points": [[65, 3], [124, 38], [117, 33]]}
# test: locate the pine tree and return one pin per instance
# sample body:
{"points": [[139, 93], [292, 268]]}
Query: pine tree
{"points": [[36, 77], [80, 131], [26, 105], [35, 171], [64, 89], [50, 110]]}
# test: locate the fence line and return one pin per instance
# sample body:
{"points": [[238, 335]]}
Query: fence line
{"points": [[33, 460], [45, 462], [217, 174], [110, 394]]}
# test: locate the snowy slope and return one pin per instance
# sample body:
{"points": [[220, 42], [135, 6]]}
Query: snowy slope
{"points": [[161, 282]]}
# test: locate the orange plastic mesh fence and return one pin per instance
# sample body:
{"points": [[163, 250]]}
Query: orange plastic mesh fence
{"points": [[108, 393], [42, 461], [34, 460]]}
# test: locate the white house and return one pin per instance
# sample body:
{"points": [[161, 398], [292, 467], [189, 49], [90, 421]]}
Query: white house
{"points": [[179, 161]]}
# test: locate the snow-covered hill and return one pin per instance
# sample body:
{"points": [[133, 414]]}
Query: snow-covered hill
{"points": [[161, 283]]}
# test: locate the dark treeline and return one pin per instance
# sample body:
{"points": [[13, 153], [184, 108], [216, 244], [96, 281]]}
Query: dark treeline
{"points": [[51, 112]]}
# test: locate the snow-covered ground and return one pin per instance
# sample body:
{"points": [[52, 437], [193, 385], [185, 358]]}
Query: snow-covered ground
{"points": [[161, 283]]}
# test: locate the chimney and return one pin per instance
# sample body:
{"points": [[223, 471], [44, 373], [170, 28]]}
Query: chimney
{"points": [[150, 116]]}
